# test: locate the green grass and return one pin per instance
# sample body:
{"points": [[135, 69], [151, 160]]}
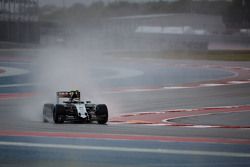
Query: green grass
{"points": [[18, 52], [209, 55]]}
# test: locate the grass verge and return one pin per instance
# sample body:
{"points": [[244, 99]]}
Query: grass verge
{"points": [[208, 55]]}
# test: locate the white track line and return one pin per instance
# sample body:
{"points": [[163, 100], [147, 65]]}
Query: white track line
{"points": [[125, 149]]}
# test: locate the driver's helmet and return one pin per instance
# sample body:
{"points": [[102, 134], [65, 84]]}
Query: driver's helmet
{"points": [[74, 94]]}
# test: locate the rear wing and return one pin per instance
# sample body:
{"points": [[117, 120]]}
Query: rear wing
{"points": [[68, 94]]}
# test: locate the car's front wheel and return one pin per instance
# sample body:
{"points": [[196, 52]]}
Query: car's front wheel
{"points": [[102, 113]]}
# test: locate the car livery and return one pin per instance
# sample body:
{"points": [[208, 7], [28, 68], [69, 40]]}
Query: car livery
{"points": [[69, 107]]}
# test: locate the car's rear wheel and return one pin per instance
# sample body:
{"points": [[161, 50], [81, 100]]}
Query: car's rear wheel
{"points": [[59, 114], [47, 110], [102, 113]]}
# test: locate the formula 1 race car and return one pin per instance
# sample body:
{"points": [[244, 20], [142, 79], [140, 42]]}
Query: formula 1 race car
{"points": [[69, 107]]}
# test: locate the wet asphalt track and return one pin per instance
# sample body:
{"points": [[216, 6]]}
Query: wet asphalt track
{"points": [[20, 149]]}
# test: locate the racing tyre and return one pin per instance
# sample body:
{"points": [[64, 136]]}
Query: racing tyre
{"points": [[47, 109], [102, 113], [58, 114]]}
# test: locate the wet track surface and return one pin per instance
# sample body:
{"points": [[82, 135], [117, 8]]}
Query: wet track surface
{"points": [[90, 152], [228, 118], [27, 141]]}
